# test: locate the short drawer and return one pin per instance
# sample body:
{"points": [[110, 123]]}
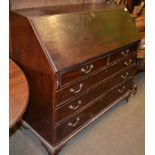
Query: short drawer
{"points": [[67, 93], [83, 70], [123, 53], [72, 124], [76, 104], [122, 64]]}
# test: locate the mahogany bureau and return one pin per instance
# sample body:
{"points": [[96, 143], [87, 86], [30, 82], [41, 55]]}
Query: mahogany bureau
{"points": [[80, 60]]}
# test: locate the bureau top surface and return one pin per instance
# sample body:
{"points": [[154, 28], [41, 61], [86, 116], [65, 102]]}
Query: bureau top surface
{"points": [[73, 38]]}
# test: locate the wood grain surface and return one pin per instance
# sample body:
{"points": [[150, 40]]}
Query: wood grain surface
{"points": [[54, 47], [21, 4], [74, 38], [18, 93]]}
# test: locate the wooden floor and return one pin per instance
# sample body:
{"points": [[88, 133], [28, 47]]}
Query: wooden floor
{"points": [[120, 131]]}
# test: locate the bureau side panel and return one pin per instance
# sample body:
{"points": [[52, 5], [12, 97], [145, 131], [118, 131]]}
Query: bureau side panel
{"points": [[28, 54]]}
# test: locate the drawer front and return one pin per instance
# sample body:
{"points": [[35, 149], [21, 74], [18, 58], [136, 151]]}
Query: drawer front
{"points": [[122, 64], [69, 126], [83, 70], [79, 87], [76, 104], [120, 54]]}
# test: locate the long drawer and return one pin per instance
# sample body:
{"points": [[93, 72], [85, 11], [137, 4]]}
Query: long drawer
{"points": [[68, 92], [70, 125], [76, 104]]}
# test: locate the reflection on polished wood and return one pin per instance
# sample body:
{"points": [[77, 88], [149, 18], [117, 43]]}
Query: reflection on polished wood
{"points": [[79, 63], [18, 93], [25, 4]]}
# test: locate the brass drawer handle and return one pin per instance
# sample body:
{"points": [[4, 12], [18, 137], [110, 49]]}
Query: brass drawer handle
{"points": [[125, 76], [125, 53], [72, 107], [72, 90], [74, 124], [128, 63], [121, 90], [87, 69]]}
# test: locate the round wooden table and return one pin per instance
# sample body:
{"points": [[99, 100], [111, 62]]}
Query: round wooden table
{"points": [[18, 93]]}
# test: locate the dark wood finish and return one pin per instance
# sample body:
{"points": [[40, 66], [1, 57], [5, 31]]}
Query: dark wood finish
{"points": [[68, 37], [94, 66], [130, 5], [25, 4], [18, 93], [53, 46], [83, 70], [66, 128], [28, 54], [64, 9], [79, 102], [115, 56], [84, 84]]}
